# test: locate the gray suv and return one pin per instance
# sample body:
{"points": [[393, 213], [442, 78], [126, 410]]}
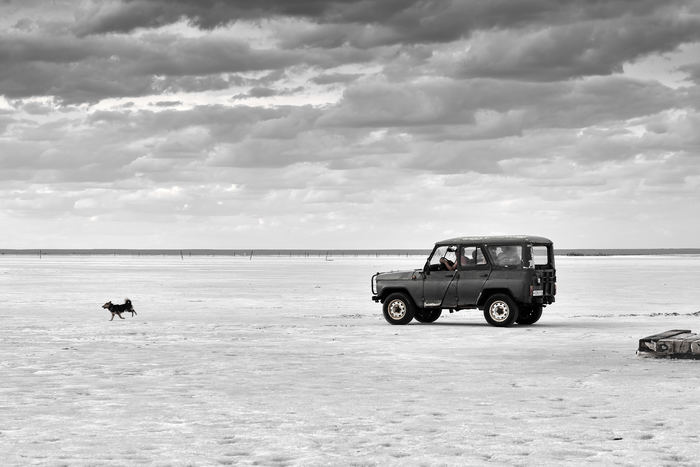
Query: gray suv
{"points": [[510, 278]]}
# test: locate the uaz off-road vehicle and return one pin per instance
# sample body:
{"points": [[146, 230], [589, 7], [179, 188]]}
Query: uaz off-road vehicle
{"points": [[511, 278]]}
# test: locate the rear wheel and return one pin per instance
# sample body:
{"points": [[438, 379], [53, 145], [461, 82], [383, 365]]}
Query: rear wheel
{"points": [[398, 309], [530, 315], [500, 310], [427, 316]]}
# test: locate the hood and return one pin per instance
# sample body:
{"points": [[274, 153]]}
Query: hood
{"points": [[397, 275]]}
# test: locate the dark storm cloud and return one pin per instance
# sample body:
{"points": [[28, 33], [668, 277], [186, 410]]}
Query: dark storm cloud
{"points": [[88, 70], [77, 70], [19, 48], [68, 68], [589, 48], [408, 20], [172, 56], [124, 16], [533, 39]]}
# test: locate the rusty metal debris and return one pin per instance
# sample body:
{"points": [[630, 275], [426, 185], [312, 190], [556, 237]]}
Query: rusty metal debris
{"points": [[675, 343]]}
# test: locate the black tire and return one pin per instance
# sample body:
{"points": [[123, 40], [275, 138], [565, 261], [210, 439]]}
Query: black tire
{"points": [[529, 315], [500, 310], [427, 316], [398, 309]]}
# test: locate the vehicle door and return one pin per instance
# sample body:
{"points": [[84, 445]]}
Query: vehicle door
{"points": [[473, 272], [439, 288]]}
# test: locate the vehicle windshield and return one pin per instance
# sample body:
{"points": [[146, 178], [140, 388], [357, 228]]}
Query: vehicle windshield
{"points": [[506, 255], [447, 253]]}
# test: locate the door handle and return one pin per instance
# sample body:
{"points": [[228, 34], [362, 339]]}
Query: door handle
{"points": [[484, 275]]}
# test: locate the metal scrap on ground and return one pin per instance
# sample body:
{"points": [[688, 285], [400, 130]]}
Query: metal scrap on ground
{"points": [[676, 343]]}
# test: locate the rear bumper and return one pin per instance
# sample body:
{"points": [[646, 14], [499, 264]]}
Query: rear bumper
{"points": [[546, 300]]}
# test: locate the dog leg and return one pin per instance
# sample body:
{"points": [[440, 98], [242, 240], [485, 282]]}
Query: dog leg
{"points": [[112, 317], [120, 315]]}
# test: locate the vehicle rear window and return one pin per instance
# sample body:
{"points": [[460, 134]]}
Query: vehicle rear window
{"points": [[506, 255], [540, 255]]}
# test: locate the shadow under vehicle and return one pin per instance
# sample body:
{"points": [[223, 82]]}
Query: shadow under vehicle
{"points": [[510, 278]]}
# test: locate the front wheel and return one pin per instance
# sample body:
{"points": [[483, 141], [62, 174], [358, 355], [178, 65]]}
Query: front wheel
{"points": [[500, 310], [530, 315], [427, 316], [398, 309]]}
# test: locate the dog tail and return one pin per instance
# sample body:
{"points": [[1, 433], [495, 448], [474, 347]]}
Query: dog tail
{"points": [[127, 301]]}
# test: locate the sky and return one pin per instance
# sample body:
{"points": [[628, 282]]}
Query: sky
{"points": [[348, 123]]}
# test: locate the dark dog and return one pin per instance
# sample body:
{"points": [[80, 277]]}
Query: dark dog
{"points": [[126, 307]]}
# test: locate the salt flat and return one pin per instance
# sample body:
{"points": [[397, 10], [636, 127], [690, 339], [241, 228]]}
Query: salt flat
{"points": [[287, 361]]}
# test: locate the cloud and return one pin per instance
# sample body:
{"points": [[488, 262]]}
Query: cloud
{"points": [[534, 40], [5, 121], [384, 104], [597, 47], [263, 92], [693, 71], [99, 17], [81, 70], [334, 120], [333, 78], [442, 102], [402, 21]]}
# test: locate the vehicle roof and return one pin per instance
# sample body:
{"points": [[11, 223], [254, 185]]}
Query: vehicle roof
{"points": [[496, 239]]}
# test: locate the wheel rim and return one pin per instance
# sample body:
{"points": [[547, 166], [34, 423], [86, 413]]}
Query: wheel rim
{"points": [[396, 309], [499, 311]]}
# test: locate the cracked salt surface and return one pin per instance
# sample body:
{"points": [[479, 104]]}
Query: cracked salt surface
{"points": [[286, 361]]}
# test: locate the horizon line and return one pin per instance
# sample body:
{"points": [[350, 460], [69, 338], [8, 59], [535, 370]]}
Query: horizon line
{"points": [[315, 251]]}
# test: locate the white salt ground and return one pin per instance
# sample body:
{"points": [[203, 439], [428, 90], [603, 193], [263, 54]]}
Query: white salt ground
{"points": [[286, 361]]}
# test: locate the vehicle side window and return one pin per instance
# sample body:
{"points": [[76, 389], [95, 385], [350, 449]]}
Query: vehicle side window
{"points": [[471, 256], [506, 255], [449, 253]]}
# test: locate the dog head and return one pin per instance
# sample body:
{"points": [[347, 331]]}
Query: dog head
{"points": [[107, 305]]}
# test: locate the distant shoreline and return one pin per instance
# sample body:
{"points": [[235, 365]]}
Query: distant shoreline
{"points": [[322, 253]]}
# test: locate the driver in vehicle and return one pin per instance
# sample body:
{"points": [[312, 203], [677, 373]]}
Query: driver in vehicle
{"points": [[449, 260], [449, 265], [466, 259]]}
